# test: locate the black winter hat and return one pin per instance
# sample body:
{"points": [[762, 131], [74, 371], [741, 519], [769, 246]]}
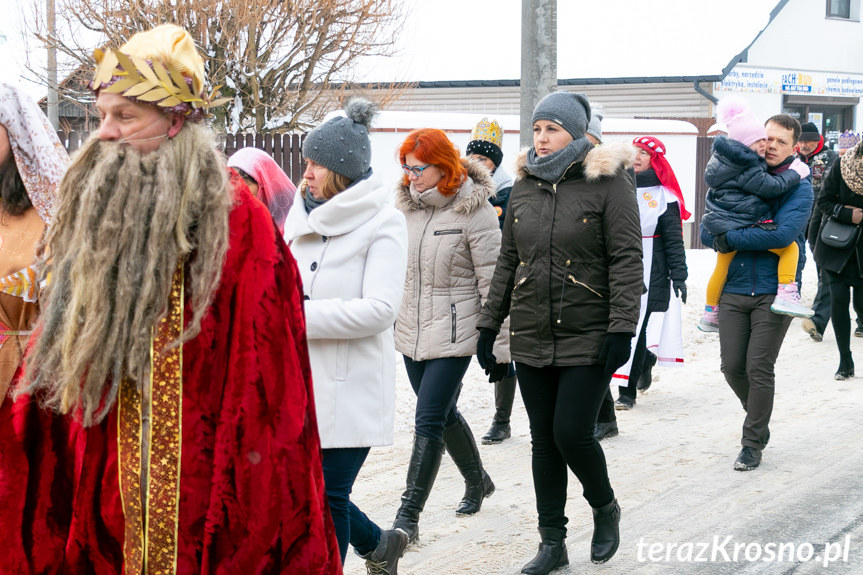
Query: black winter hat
{"points": [[809, 133], [487, 149]]}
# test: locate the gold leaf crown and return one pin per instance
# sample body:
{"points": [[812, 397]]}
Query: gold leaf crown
{"points": [[153, 67], [488, 132]]}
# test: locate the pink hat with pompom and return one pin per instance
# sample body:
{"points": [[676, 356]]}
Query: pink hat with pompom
{"points": [[741, 123]]}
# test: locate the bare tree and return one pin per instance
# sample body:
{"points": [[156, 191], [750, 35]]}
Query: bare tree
{"points": [[282, 62]]}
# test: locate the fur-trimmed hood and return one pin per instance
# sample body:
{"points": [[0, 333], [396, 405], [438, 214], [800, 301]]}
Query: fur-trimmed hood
{"points": [[473, 193], [602, 160]]}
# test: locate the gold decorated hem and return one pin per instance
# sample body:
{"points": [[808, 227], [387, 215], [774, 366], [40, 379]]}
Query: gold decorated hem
{"points": [[151, 532]]}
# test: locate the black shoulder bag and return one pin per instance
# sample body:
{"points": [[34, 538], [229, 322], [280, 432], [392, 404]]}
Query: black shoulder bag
{"points": [[839, 235]]}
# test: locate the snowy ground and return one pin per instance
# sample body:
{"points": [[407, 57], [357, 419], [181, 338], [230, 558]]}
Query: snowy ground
{"points": [[671, 468]]}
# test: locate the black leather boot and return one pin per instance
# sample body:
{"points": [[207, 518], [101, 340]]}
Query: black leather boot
{"points": [[424, 465], [504, 394], [846, 366], [606, 532], [461, 446], [552, 552]]}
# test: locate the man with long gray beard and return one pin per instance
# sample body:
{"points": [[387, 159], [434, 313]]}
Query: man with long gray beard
{"points": [[165, 419]]}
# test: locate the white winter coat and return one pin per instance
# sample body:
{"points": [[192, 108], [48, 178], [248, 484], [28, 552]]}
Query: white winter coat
{"points": [[352, 255]]}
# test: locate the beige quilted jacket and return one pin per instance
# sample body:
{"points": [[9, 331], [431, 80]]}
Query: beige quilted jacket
{"points": [[453, 244]]}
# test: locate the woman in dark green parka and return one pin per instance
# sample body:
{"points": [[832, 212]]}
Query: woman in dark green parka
{"points": [[569, 275]]}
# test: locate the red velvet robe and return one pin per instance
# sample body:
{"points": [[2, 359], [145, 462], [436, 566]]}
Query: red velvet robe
{"points": [[251, 490]]}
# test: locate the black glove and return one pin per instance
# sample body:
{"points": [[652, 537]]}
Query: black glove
{"points": [[720, 244], [498, 372], [484, 349], [679, 290], [615, 351], [769, 226]]}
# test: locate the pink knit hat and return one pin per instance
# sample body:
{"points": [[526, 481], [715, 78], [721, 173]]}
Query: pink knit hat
{"points": [[741, 123]]}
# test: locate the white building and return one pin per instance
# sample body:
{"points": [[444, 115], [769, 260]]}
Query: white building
{"points": [[807, 63]]}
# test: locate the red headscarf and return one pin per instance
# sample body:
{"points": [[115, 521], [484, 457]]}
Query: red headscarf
{"points": [[660, 165]]}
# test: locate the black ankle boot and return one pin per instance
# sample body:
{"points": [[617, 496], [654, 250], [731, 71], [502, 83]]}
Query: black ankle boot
{"points": [[552, 552], [606, 532], [461, 446], [846, 367], [424, 465], [384, 560], [646, 377], [504, 394]]}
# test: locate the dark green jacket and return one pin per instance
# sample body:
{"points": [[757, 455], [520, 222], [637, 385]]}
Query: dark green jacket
{"points": [[570, 267]]}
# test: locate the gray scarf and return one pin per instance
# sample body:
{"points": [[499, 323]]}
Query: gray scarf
{"points": [[312, 202], [552, 167]]}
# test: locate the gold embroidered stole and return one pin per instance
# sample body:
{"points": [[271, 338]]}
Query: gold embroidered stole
{"points": [[150, 545]]}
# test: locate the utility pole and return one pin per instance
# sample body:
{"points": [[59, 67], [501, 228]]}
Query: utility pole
{"points": [[53, 96], [538, 59]]}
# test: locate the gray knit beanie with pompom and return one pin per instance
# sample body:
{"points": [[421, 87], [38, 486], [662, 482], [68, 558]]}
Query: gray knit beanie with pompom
{"points": [[342, 144]]}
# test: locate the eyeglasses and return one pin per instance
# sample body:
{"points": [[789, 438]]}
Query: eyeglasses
{"points": [[415, 170]]}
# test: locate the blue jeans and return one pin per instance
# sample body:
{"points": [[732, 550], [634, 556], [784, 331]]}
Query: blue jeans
{"points": [[341, 467], [437, 383]]}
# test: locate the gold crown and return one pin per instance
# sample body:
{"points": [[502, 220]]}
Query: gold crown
{"points": [[488, 132], [174, 58]]}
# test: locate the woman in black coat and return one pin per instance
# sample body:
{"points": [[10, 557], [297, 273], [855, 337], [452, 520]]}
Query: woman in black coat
{"points": [[569, 277], [841, 199], [668, 258]]}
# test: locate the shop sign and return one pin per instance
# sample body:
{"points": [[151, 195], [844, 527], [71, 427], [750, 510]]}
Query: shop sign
{"points": [[765, 80]]}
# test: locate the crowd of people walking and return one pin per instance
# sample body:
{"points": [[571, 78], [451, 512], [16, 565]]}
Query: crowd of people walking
{"points": [[197, 356]]}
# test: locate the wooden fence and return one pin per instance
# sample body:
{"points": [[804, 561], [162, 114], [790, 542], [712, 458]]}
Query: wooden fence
{"points": [[703, 151], [285, 149]]}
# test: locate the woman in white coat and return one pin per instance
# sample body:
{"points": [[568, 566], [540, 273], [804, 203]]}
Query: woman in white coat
{"points": [[351, 247]]}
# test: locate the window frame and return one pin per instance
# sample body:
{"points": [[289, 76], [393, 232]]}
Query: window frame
{"points": [[849, 7]]}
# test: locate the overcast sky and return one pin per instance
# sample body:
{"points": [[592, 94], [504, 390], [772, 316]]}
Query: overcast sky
{"points": [[481, 40]]}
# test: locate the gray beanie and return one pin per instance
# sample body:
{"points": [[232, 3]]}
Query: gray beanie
{"points": [[569, 110], [342, 143], [594, 128]]}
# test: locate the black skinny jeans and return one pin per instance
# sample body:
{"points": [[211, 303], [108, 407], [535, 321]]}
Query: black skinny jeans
{"points": [[562, 404], [840, 301]]}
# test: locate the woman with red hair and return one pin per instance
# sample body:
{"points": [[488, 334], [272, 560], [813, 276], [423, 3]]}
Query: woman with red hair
{"points": [[453, 243]]}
